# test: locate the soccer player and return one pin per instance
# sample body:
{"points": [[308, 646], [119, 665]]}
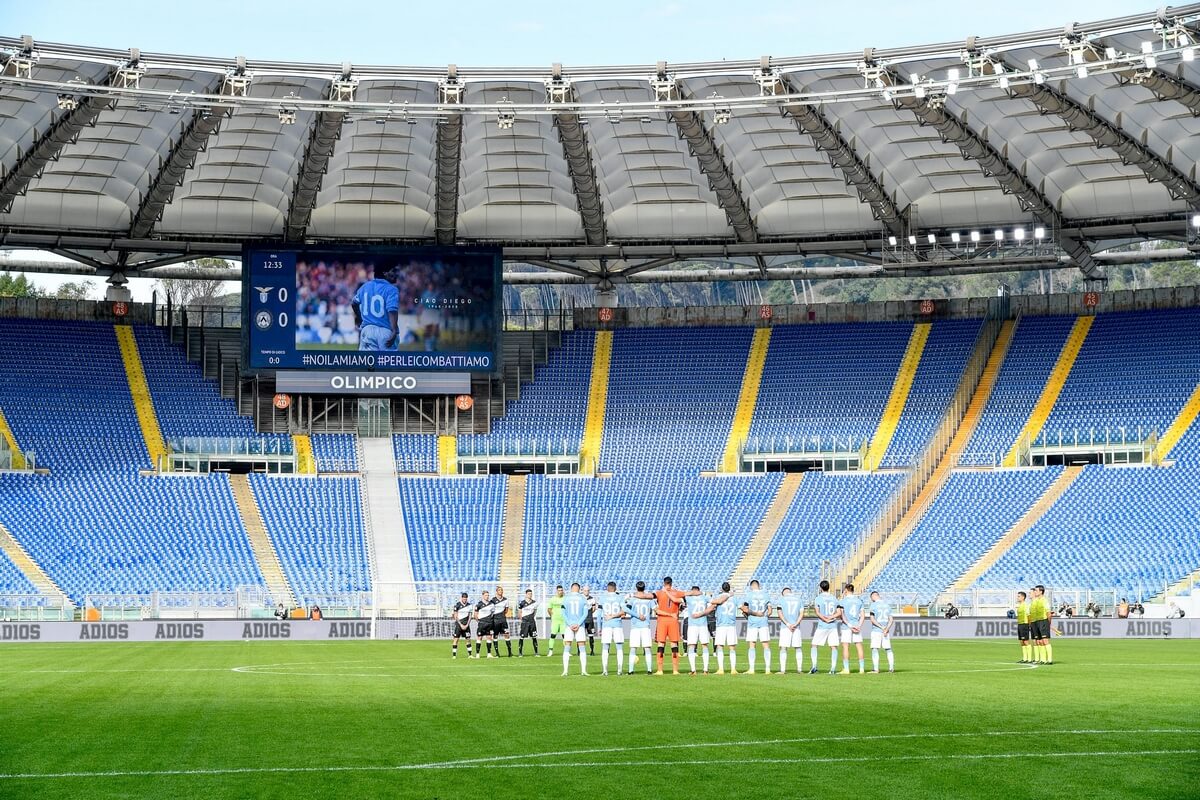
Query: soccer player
{"points": [[461, 624], [851, 605], [1039, 624], [791, 614], [698, 608], [1023, 628], [557, 628], [667, 601], [376, 307], [483, 624], [612, 629], [881, 632], [589, 622], [640, 610], [528, 611], [826, 606], [574, 611], [756, 605], [725, 605], [500, 613]]}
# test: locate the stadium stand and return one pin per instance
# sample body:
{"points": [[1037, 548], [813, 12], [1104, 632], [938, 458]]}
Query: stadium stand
{"points": [[316, 526], [335, 452], [12, 580], [454, 526], [416, 452]]}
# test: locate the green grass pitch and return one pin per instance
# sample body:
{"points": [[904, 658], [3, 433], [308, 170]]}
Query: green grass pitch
{"points": [[959, 719]]}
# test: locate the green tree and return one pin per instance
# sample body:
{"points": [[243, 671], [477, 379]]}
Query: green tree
{"points": [[199, 290], [18, 286], [75, 290]]}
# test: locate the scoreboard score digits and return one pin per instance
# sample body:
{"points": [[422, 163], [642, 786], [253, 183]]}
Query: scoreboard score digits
{"points": [[371, 308]]}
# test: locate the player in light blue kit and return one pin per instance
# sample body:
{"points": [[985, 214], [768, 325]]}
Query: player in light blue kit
{"points": [[612, 629], [726, 605], [575, 611], [640, 612], [826, 606], [698, 608], [756, 605], [853, 618], [376, 309], [881, 632], [791, 613]]}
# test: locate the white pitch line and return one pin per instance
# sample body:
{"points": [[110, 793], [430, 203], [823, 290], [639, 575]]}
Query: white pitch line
{"points": [[585, 764]]}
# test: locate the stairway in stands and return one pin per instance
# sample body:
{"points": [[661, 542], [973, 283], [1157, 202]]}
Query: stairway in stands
{"points": [[143, 402], [898, 398], [31, 569], [593, 430], [743, 416], [514, 531], [749, 562], [260, 542], [383, 520]]}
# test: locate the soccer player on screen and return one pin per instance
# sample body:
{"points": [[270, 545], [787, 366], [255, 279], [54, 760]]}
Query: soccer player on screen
{"points": [[852, 622], [881, 632], [557, 628], [791, 613], [376, 309], [826, 606], [756, 605], [527, 608], [668, 600], [574, 611], [640, 611], [612, 629]]}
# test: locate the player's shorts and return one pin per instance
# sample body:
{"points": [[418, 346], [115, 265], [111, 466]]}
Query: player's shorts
{"points": [[374, 337], [483, 629], [579, 635], [528, 627], [1040, 628], [639, 637], [668, 630], [789, 637], [1023, 631], [460, 632], [762, 634], [848, 636], [499, 625], [825, 636], [590, 627], [612, 634], [698, 633], [557, 626], [726, 636], [878, 640]]}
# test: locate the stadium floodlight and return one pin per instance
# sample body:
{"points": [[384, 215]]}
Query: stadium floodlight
{"points": [[1110, 53], [892, 241], [68, 102], [1147, 48], [505, 117], [1003, 81], [951, 88], [999, 234], [287, 116], [721, 113], [1150, 61], [952, 74], [975, 236], [919, 92], [1019, 234], [912, 239], [887, 94], [1039, 233], [956, 237], [1039, 78], [1189, 54], [931, 238], [1033, 64], [1196, 220], [1081, 71]]}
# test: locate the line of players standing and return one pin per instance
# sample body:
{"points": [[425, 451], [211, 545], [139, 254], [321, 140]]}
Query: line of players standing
{"points": [[705, 620]]}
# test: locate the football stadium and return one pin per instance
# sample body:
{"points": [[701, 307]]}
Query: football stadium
{"points": [[774, 426]]}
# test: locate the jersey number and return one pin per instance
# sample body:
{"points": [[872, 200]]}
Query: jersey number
{"points": [[375, 305]]}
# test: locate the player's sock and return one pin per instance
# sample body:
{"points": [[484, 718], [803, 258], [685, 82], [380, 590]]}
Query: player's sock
{"points": [[705, 659], [508, 644], [875, 659], [833, 663], [800, 659], [891, 659], [521, 647], [1049, 653], [591, 645], [535, 652], [767, 658], [733, 659], [566, 658], [649, 662], [477, 646], [753, 658], [603, 658], [1039, 652], [813, 652], [692, 658], [783, 659], [582, 659], [675, 659], [1025, 655], [862, 665], [620, 657]]}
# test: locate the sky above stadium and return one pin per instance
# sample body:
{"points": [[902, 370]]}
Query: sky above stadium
{"points": [[525, 33]]}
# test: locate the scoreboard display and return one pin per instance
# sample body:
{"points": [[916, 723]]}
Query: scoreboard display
{"points": [[371, 308]]}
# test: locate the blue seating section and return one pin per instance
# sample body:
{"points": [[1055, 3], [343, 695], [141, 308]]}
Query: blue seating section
{"points": [[187, 403], [415, 452], [972, 512], [828, 380], [552, 408], [335, 452], [946, 353], [1030, 359], [1129, 529], [317, 529], [826, 517], [627, 528], [113, 532], [64, 393], [12, 580], [454, 526], [671, 397], [1134, 370]]}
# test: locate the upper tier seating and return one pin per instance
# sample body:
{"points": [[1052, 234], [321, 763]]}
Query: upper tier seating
{"points": [[454, 526], [415, 452], [335, 452]]}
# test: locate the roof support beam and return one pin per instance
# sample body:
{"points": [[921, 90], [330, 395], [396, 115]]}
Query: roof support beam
{"points": [[50, 144], [995, 164], [842, 156], [448, 159], [583, 176], [326, 129], [182, 157], [1108, 135], [720, 177]]}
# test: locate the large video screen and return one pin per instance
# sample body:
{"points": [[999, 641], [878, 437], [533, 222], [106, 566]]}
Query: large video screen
{"points": [[371, 308]]}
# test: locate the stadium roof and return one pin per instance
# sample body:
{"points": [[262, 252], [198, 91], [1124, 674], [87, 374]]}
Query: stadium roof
{"points": [[1078, 137]]}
